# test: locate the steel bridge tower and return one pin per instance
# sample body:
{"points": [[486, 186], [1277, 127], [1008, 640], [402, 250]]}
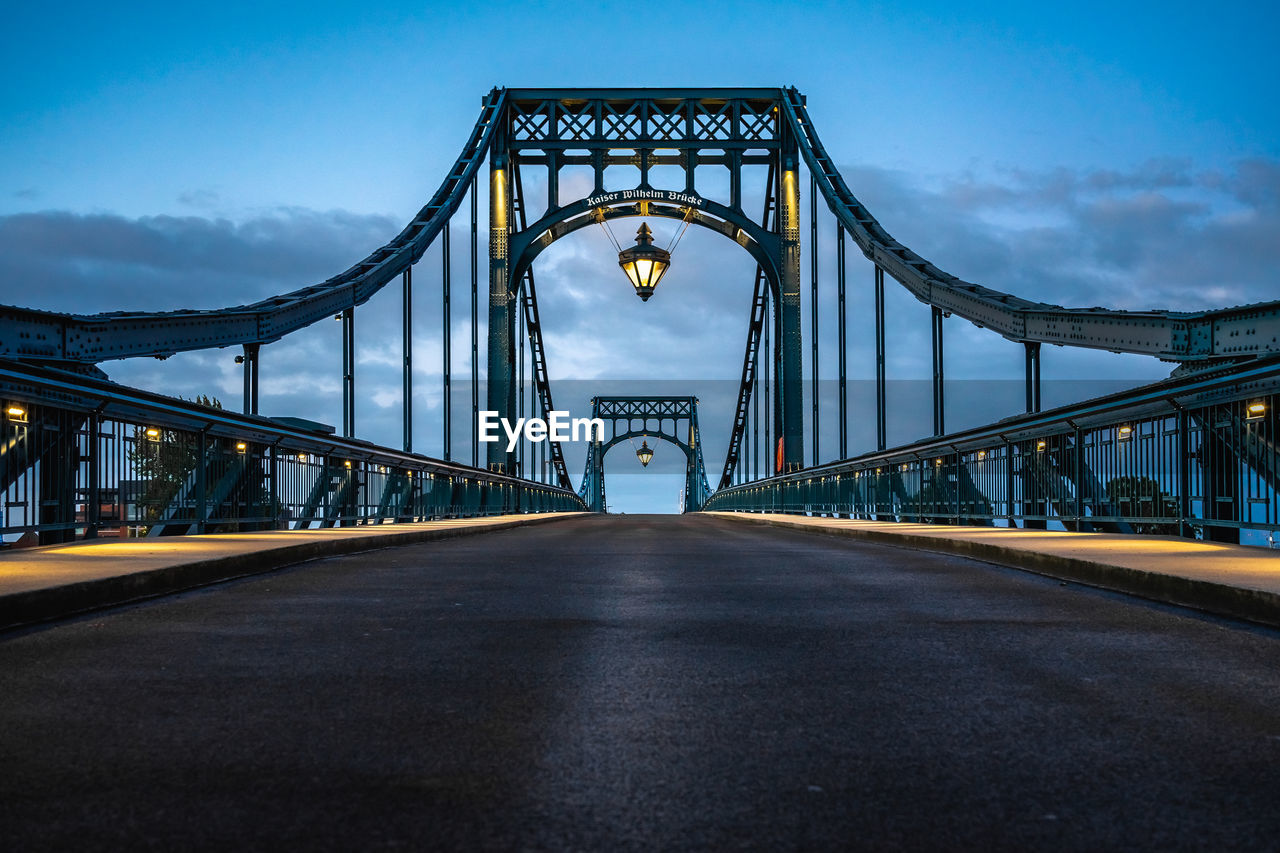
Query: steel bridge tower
{"points": [[553, 128]]}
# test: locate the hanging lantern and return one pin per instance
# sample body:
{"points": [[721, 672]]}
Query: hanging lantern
{"points": [[644, 454], [644, 263]]}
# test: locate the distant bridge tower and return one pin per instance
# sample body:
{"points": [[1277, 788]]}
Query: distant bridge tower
{"points": [[670, 419]]}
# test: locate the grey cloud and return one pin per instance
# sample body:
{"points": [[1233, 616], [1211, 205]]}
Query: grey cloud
{"points": [[1159, 235], [202, 199], [98, 262]]}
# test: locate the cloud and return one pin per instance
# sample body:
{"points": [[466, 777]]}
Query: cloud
{"points": [[104, 262], [1159, 235], [201, 199]]}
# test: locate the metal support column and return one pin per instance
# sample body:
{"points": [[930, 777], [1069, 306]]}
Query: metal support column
{"points": [[521, 337], [1033, 375], [841, 357], [447, 342], [202, 480], [790, 395], [250, 360], [813, 307], [1184, 473], [93, 502], [939, 401], [501, 353], [348, 372], [406, 281], [766, 345], [475, 328], [755, 399], [881, 437]]}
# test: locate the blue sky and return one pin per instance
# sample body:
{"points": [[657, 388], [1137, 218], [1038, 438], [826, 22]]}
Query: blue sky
{"points": [[160, 156]]}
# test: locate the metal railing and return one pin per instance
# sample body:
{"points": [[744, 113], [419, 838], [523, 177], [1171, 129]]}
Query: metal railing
{"points": [[83, 458], [1193, 456]]}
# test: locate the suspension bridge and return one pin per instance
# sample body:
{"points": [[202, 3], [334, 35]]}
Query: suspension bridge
{"points": [[1194, 455], [701, 682]]}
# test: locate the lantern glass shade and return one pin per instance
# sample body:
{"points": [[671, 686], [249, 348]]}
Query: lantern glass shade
{"points": [[644, 263], [644, 454]]}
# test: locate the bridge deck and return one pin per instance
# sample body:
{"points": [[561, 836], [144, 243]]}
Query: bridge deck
{"points": [[1229, 580], [57, 580], [656, 683]]}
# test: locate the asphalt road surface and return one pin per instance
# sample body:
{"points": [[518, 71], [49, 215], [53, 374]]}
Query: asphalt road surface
{"points": [[646, 683]]}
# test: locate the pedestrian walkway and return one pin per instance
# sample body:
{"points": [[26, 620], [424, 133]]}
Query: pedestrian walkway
{"points": [[1230, 580], [48, 582]]}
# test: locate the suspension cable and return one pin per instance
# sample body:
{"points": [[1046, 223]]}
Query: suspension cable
{"points": [[679, 235], [608, 232]]}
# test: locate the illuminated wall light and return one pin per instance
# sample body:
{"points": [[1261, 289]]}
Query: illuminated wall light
{"points": [[346, 463], [938, 462], [1124, 432], [152, 433], [1040, 446], [982, 454], [302, 457], [241, 447], [1255, 411], [16, 413]]}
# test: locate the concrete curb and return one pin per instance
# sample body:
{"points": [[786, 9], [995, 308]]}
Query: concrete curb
{"points": [[1251, 605], [42, 605]]}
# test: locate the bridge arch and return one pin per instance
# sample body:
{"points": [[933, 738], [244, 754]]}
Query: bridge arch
{"points": [[764, 246]]}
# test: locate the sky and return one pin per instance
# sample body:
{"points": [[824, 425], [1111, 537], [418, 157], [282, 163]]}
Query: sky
{"points": [[159, 157]]}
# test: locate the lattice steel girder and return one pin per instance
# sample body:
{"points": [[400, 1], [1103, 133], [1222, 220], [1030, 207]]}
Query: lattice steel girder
{"points": [[602, 119], [655, 159], [645, 407]]}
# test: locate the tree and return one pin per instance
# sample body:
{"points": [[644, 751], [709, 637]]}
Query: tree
{"points": [[1141, 497], [165, 460]]}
